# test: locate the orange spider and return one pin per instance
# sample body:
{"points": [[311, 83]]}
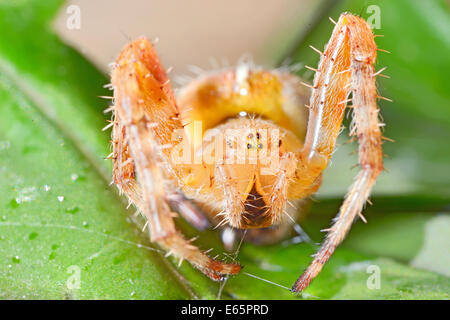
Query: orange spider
{"points": [[234, 143]]}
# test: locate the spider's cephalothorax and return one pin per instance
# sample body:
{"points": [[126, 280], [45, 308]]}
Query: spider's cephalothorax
{"points": [[253, 123], [236, 143]]}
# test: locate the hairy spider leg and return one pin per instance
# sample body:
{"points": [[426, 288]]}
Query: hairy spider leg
{"points": [[345, 66], [145, 117]]}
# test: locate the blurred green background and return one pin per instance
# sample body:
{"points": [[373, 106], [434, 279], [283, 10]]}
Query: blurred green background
{"points": [[59, 219]]}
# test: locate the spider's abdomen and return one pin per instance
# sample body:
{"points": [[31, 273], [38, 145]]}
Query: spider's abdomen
{"points": [[273, 95]]}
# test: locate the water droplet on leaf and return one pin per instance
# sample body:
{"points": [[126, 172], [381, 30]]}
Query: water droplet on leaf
{"points": [[33, 236], [72, 210]]}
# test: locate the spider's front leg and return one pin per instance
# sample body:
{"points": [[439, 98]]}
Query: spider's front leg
{"points": [[145, 118], [346, 65]]}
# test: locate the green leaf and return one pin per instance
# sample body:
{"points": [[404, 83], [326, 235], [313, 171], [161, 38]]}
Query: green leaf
{"points": [[57, 209], [384, 242], [59, 216]]}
